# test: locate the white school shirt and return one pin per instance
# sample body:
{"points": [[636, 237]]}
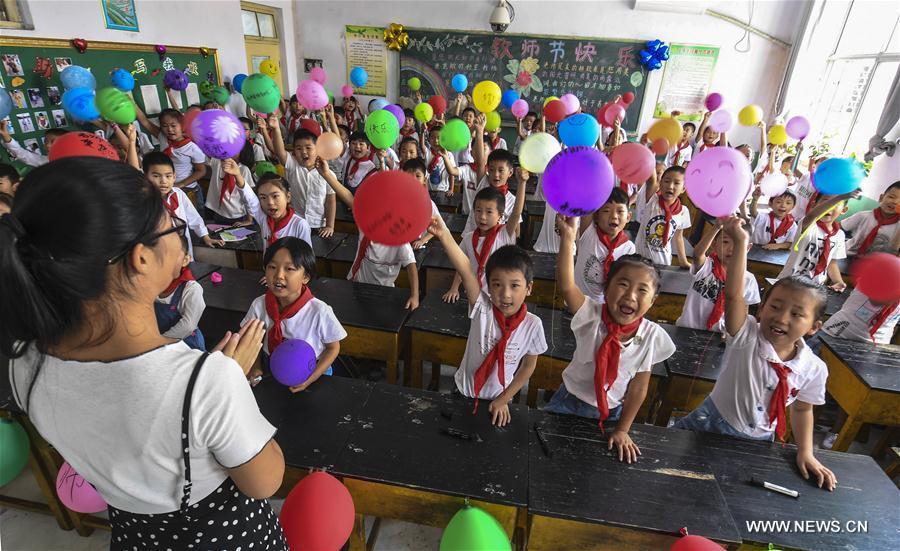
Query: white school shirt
{"points": [[808, 249], [183, 158], [364, 168], [26, 156], [434, 212], [503, 238], [508, 207], [440, 168], [854, 320], [259, 153], [190, 307], [501, 144], [118, 423], [297, 227], [188, 212], [233, 205], [747, 381], [468, 178], [860, 224], [589, 262], [650, 345], [701, 297], [803, 191], [652, 224], [683, 155], [761, 231], [381, 264], [308, 192], [315, 323], [527, 340], [548, 237]]}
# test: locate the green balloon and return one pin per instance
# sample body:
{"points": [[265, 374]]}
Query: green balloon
{"points": [[414, 84], [204, 87], [115, 106], [261, 93], [424, 112], [858, 205], [473, 529], [455, 136], [493, 121], [13, 450], [382, 129], [330, 97], [264, 167]]}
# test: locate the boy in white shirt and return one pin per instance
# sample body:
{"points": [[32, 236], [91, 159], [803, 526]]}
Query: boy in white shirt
{"points": [[495, 141], [440, 163], [524, 128], [776, 229], [224, 201], [876, 230], [602, 241], [681, 153], [804, 189], [357, 161], [187, 157], [495, 172], [663, 219], [469, 180]]}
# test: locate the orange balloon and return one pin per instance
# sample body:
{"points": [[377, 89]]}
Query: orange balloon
{"points": [[660, 146], [670, 129], [329, 146]]}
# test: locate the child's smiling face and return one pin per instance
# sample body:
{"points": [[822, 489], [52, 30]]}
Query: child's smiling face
{"points": [[508, 289], [671, 186]]}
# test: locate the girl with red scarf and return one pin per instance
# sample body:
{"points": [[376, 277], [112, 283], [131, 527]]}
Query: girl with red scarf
{"points": [[663, 219], [180, 306], [273, 212]]}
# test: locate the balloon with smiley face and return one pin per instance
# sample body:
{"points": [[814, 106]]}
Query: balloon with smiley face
{"points": [[717, 180]]}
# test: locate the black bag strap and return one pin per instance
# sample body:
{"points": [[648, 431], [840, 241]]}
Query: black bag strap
{"points": [[186, 431]]}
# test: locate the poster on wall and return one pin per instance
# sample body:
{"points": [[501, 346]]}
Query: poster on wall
{"points": [[366, 49], [685, 82], [120, 15]]}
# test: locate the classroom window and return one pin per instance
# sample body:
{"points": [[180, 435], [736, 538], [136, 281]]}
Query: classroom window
{"points": [[11, 12], [258, 24]]}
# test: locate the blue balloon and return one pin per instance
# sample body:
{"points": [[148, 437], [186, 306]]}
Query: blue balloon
{"points": [[79, 102], [377, 104], [122, 79], [838, 176], [74, 76], [459, 83], [579, 129], [237, 81], [359, 77], [509, 97], [6, 104]]}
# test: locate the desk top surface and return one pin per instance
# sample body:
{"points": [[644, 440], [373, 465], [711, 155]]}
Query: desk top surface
{"points": [[345, 251], [878, 365], [698, 353], [675, 280]]}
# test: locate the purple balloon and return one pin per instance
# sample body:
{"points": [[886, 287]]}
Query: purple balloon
{"points": [[293, 362], [721, 121], [713, 101], [398, 113], [218, 133], [717, 180], [578, 180], [797, 127], [175, 79]]}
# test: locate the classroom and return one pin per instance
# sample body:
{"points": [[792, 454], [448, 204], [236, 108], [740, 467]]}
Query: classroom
{"points": [[468, 275]]}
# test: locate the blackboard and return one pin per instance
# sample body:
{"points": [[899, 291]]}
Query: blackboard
{"points": [[594, 69], [101, 58]]}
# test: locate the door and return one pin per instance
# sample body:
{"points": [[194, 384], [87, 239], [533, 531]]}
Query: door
{"points": [[261, 39]]}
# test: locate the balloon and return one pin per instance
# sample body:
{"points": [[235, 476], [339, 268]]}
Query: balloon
{"points": [[188, 119], [262, 167], [750, 115], [122, 79], [423, 112], [615, 112], [6, 103], [75, 76], [627, 98], [382, 129], [509, 98], [82, 144], [555, 111], [397, 111], [721, 121], [359, 77], [377, 105], [237, 82], [633, 163], [269, 68], [79, 102], [519, 108], [175, 79], [660, 146], [601, 113], [571, 102], [578, 180], [548, 100], [473, 529], [218, 133], [670, 129], [14, 450], [486, 96], [115, 106], [318, 74], [777, 134], [797, 127], [261, 93], [414, 84], [312, 95], [438, 104], [392, 207], [205, 87], [459, 82], [773, 184], [311, 126], [537, 150], [455, 136], [878, 277], [493, 121], [318, 513], [329, 146], [838, 176], [579, 129], [292, 362], [717, 180], [219, 94], [713, 101], [346, 91], [76, 493], [695, 543]]}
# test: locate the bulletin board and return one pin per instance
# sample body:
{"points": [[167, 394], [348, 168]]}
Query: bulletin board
{"points": [[30, 73]]}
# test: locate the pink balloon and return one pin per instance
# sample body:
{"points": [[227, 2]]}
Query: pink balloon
{"points": [[717, 180], [721, 121], [76, 493], [346, 91], [318, 74], [614, 112], [519, 108], [713, 101], [633, 163], [571, 102], [312, 95], [797, 127]]}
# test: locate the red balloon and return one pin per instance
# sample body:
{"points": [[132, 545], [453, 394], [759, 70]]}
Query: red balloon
{"points": [[695, 543], [82, 144], [627, 98], [318, 513], [187, 120], [438, 104], [878, 277], [312, 126], [660, 146], [615, 111], [601, 114], [555, 111], [633, 163], [392, 208]]}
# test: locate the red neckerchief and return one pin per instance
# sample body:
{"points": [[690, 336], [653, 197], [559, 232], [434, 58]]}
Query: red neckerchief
{"points": [[677, 160], [503, 188], [669, 211], [782, 228], [881, 317], [779, 399], [407, 133], [175, 145], [495, 141], [704, 146], [881, 219], [171, 202], [229, 182], [606, 361], [276, 334], [610, 247], [718, 272], [822, 263], [293, 124], [351, 120], [498, 352], [183, 277], [275, 227], [812, 201], [354, 167], [360, 255], [435, 159], [482, 255]]}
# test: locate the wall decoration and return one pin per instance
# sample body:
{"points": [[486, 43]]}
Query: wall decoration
{"points": [[120, 15], [12, 65], [366, 49], [309, 64], [686, 80]]}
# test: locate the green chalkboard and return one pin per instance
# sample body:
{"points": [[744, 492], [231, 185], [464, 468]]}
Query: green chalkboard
{"points": [[30, 72], [594, 69]]}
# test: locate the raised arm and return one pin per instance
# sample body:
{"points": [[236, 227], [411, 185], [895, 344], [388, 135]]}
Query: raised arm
{"points": [[698, 139], [478, 147], [754, 200], [520, 130], [821, 208], [699, 257], [145, 122], [512, 225], [735, 306], [651, 187], [457, 257], [565, 263]]}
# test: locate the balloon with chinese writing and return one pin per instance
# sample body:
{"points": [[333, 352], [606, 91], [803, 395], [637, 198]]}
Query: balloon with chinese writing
{"points": [[261, 93], [115, 106], [14, 450], [721, 121], [571, 102], [878, 277], [838, 176], [122, 79], [79, 102], [455, 136], [292, 362], [359, 77], [218, 133], [633, 163], [493, 121], [536, 152], [414, 84], [717, 180], [318, 513], [750, 115], [269, 68], [773, 184], [329, 146], [459, 82], [670, 129], [237, 82], [579, 129], [519, 108], [319, 75], [76, 493], [312, 95], [82, 144], [424, 112], [175, 79], [509, 98], [75, 76], [797, 127], [713, 101], [486, 96], [382, 129], [577, 180], [219, 94], [392, 207]]}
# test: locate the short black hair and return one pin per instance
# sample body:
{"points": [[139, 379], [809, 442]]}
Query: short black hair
{"points": [[274, 179], [510, 257], [155, 158], [304, 134], [692, 125], [301, 254], [787, 194], [503, 156], [293, 99], [803, 283], [56, 132], [618, 196], [249, 121], [531, 114], [174, 113], [491, 193], [6, 199], [359, 137], [345, 128], [416, 163], [9, 171], [674, 169], [634, 260], [895, 185], [409, 113], [472, 109], [409, 140], [437, 127]]}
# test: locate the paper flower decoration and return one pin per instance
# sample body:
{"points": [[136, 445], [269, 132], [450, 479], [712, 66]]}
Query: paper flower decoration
{"points": [[395, 37], [653, 54]]}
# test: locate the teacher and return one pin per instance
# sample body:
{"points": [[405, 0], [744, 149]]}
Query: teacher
{"points": [[171, 437]]}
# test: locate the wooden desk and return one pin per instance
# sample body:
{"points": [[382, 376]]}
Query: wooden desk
{"points": [[534, 210], [584, 496], [673, 289], [437, 334], [764, 263], [245, 254], [322, 247], [450, 204], [864, 379], [692, 370], [456, 223], [202, 269], [340, 260], [343, 219]]}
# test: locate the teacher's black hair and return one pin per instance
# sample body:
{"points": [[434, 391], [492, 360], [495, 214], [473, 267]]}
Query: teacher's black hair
{"points": [[300, 251]]}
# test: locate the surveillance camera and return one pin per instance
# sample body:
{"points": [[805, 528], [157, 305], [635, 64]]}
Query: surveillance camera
{"points": [[501, 17]]}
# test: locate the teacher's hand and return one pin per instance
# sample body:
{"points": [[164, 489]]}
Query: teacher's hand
{"points": [[243, 346]]}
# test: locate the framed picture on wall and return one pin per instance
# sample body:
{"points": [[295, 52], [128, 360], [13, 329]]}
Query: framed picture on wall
{"points": [[309, 64], [120, 15]]}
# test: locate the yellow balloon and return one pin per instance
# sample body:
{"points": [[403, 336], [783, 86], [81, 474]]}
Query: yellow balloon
{"points": [[269, 68], [750, 115], [548, 100], [486, 96], [493, 121], [668, 129], [778, 134]]}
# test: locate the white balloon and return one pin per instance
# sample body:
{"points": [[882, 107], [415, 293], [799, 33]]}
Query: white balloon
{"points": [[885, 171], [536, 152], [773, 184]]}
